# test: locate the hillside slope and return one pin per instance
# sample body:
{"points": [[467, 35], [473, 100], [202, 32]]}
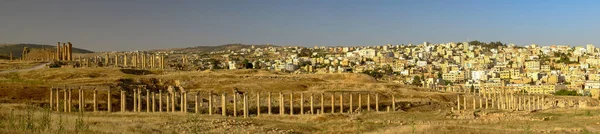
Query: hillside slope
{"points": [[17, 49], [207, 49]]}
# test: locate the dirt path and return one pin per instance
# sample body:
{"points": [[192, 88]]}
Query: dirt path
{"points": [[25, 70]]}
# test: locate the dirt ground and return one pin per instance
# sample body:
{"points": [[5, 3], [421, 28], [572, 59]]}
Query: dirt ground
{"points": [[24, 94], [20, 118], [16, 64]]}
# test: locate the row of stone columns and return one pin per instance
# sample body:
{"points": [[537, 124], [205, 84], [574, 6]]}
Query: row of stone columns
{"points": [[482, 90], [64, 51], [140, 60], [135, 60], [501, 101], [61, 100], [146, 101]]}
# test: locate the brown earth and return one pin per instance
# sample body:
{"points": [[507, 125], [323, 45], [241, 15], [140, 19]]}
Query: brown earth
{"points": [[420, 110]]}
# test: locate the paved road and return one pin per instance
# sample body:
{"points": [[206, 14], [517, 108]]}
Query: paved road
{"points": [[43, 65]]}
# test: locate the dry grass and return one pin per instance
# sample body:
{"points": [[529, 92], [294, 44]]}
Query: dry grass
{"points": [[17, 64], [428, 111], [550, 121]]}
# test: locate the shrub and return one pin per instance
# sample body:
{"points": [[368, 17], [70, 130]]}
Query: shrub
{"points": [[566, 93]]}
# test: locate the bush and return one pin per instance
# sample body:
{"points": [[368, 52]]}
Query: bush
{"points": [[374, 74], [566, 93]]}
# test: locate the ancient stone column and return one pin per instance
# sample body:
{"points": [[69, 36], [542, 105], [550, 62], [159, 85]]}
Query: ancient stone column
{"points": [[65, 100], [123, 101], [322, 103], [245, 105], [519, 104], [58, 51], [144, 62], [95, 100], [281, 105], [134, 60], [196, 103], [312, 108], [116, 59], [512, 101], [135, 104], [223, 105], [458, 102], [234, 95], [109, 105], [341, 103], [70, 100], [269, 103], [168, 104], [350, 110], [106, 59], [159, 100], [474, 103], [65, 52], [139, 92], [210, 103], [70, 50], [162, 62], [529, 103], [57, 100], [153, 101], [302, 103], [369, 102], [493, 100], [173, 101], [125, 60], [499, 101], [291, 103], [539, 103], [51, 99], [152, 63], [360, 101], [504, 101], [82, 100], [147, 101], [377, 102], [543, 102], [88, 62], [184, 102], [332, 103], [486, 103], [258, 104], [480, 103], [394, 102]]}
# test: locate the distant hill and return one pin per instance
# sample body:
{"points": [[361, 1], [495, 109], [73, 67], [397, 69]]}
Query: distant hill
{"points": [[206, 49], [17, 49]]}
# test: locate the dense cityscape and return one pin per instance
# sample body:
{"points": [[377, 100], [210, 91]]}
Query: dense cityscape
{"points": [[531, 68]]}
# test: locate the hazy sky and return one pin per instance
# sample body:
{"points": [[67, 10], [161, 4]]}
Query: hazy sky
{"points": [[107, 25]]}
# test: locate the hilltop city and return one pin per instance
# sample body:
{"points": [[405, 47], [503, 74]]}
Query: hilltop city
{"points": [[264, 88], [529, 69]]}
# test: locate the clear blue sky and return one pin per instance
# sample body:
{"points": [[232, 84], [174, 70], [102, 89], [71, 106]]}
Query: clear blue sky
{"points": [[151, 24]]}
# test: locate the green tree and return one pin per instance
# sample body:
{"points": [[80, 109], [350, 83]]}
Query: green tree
{"points": [[416, 81], [565, 93], [304, 53], [374, 74], [247, 64]]}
